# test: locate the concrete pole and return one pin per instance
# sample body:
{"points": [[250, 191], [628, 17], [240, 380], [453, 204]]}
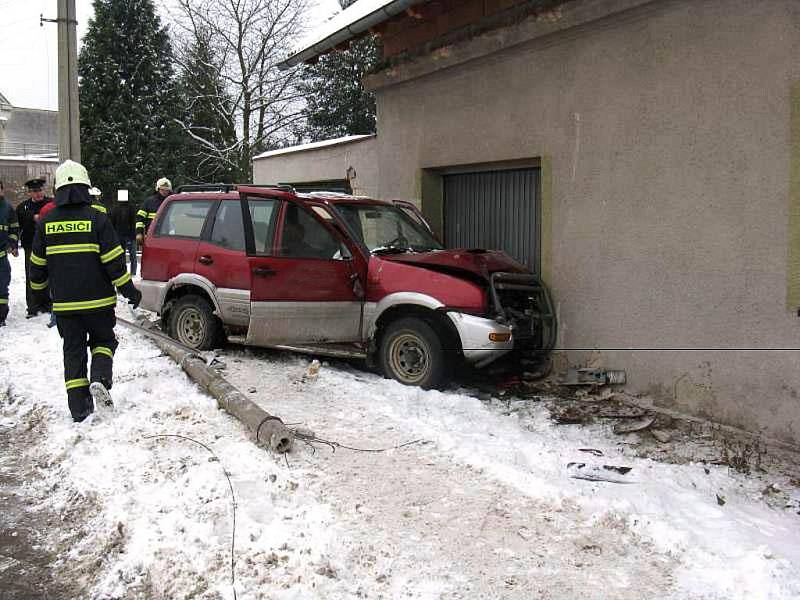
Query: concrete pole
{"points": [[69, 142]]}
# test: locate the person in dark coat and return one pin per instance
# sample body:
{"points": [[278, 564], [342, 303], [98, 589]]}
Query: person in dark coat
{"points": [[75, 238], [9, 235], [123, 218], [27, 216]]}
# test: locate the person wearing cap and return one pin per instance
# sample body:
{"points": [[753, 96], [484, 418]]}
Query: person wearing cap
{"points": [[123, 218], [150, 207], [9, 236], [75, 238], [27, 215]]}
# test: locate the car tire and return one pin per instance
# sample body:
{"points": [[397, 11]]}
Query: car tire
{"points": [[411, 352], [193, 323]]}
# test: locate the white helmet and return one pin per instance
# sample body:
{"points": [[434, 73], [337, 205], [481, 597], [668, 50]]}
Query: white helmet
{"points": [[164, 183], [70, 172], [93, 191]]}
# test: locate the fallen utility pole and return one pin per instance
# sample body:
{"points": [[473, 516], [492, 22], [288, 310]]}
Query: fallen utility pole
{"points": [[267, 429]]}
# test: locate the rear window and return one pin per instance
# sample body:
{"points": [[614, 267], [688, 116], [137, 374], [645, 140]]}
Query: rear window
{"points": [[184, 219]]}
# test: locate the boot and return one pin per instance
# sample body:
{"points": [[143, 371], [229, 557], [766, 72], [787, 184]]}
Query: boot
{"points": [[101, 396]]}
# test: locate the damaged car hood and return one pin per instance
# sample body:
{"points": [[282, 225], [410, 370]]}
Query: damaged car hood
{"points": [[476, 261]]}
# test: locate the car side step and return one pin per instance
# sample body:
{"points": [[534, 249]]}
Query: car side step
{"points": [[329, 350]]}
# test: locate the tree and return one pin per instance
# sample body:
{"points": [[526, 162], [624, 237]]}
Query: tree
{"points": [[336, 102], [207, 115], [128, 132], [247, 38]]}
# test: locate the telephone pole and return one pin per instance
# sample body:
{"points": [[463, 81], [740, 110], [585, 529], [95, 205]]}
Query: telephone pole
{"points": [[69, 141]]}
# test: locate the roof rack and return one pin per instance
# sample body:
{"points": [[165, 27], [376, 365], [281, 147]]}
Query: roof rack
{"points": [[229, 187], [280, 186], [206, 187]]}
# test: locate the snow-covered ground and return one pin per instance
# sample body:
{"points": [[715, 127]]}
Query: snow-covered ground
{"points": [[481, 505]]}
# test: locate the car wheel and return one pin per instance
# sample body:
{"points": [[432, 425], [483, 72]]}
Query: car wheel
{"points": [[411, 352], [194, 324]]}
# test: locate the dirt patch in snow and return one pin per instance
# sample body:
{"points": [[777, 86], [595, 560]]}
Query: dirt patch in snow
{"points": [[32, 540]]}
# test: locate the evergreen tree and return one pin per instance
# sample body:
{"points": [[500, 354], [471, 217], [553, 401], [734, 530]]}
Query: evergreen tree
{"points": [[336, 102], [208, 117], [129, 137]]}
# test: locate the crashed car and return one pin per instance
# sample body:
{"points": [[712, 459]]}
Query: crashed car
{"points": [[336, 275]]}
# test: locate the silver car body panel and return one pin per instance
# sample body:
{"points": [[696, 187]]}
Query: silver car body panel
{"points": [[373, 310], [231, 305], [280, 323], [234, 305], [153, 294], [303, 322]]}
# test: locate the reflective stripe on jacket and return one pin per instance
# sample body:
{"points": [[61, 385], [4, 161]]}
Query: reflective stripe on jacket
{"points": [[77, 253], [147, 213]]}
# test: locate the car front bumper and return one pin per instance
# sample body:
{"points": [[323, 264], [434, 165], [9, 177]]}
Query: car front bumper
{"points": [[478, 347]]}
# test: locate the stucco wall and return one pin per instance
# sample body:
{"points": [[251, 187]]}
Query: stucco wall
{"points": [[666, 133], [28, 126], [328, 162]]}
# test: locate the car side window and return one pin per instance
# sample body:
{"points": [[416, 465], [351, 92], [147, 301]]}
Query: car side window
{"points": [[228, 230], [263, 212], [303, 236], [184, 219]]}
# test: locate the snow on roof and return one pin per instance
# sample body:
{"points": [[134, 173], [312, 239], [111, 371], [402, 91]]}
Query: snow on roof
{"points": [[354, 20], [31, 157], [314, 145]]}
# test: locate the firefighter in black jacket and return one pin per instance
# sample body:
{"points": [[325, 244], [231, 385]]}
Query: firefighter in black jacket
{"points": [[9, 235], [150, 207], [77, 253]]}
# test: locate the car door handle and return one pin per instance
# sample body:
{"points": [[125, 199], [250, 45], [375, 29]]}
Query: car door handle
{"points": [[263, 272], [205, 259]]}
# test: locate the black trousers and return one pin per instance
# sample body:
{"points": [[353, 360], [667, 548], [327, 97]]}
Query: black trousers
{"points": [[94, 331], [35, 301], [5, 280]]}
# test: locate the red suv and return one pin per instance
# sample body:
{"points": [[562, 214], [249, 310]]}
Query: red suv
{"points": [[335, 275]]}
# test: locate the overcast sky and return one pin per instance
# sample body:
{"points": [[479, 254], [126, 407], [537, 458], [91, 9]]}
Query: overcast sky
{"points": [[28, 52]]}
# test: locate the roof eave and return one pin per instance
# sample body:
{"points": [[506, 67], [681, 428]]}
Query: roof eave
{"points": [[347, 32]]}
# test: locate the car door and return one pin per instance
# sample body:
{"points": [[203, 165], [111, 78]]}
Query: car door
{"points": [[304, 287], [221, 258]]}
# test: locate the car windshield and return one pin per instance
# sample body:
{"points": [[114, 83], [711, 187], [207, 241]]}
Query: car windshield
{"points": [[387, 229]]}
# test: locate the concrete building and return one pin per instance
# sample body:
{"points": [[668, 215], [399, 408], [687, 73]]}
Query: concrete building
{"points": [[655, 148], [347, 164], [28, 147]]}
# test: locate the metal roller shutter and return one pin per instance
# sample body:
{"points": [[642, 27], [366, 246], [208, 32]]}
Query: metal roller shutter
{"points": [[496, 210]]}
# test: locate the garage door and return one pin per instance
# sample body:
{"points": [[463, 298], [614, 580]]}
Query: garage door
{"points": [[497, 210]]}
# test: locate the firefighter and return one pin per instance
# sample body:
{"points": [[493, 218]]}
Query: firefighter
{"points": [[76, 251], [147, 213], [97, 199], [9, 236], [27, 216]]}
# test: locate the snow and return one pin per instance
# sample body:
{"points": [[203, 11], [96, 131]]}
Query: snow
{"points": [[30, 157], [314, 145], [345, 25], [479, 505]]}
